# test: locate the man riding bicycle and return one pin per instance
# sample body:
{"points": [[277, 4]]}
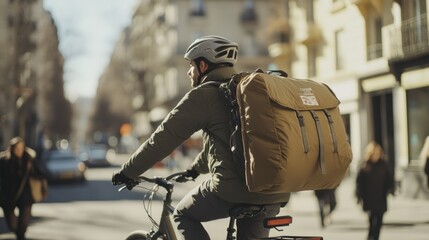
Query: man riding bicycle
{"points": [[212, 59]]}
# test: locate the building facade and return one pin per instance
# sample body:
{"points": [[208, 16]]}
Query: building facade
{"points": [[372, 53], [31, 69]]}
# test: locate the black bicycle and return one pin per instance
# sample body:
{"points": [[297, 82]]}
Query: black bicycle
{"points": [[165, 228]]}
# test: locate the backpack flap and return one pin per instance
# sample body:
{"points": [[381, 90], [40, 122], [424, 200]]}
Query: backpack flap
{"points": [[293, 135], [299, 94]]}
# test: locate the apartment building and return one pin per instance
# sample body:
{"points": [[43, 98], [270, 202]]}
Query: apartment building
{"points": [[162, 30], [374, 54], [31, 81]]}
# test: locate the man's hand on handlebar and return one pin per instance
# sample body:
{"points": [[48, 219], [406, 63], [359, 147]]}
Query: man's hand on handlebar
{"points": [[191, 174], [118, 178]]}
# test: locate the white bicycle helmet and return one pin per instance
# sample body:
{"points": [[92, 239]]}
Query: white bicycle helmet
{"points": [[215, 49]]}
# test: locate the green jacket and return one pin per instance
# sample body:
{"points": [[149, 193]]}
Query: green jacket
{"points": [[204, 108]]}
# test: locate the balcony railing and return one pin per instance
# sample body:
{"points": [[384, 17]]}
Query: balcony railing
{"points": [[410, 39], [374, 51]]}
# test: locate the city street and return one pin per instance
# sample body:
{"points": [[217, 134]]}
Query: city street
{"points": [[95, 210], [332, 80]]}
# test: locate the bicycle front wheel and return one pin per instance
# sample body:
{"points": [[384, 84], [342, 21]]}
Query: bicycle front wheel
{"points": [[143, 235], [138, 235]]}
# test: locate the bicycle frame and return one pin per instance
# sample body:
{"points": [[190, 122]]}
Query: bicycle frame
{"points": [[165, 225], [166, 229]]}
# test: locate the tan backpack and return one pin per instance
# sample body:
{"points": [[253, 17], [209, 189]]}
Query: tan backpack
{"points": [[292, 134]]}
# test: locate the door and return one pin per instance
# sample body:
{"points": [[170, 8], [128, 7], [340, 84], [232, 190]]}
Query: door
{"points": [[383, 127]]}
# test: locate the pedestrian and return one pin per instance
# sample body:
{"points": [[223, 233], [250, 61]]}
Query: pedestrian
{"points": [[211, 59], [424, 156], [16, 167], [327, 202], [373, 183]]}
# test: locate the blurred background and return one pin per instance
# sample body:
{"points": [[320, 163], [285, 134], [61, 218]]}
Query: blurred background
{"points": [[86, 82], [78, 74]]}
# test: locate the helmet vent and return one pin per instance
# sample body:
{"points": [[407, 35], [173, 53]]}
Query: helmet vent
{"points": [[230, 53], [220, 49], [221, 42], [221, 54]]}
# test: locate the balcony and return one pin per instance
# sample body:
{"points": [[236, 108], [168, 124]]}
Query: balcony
{"points": [[364, 6], [314, 35], [410, 39], [374, 51]]}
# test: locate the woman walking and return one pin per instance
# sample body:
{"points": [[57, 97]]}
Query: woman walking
{"points": [[16, 167], [374, 181]]}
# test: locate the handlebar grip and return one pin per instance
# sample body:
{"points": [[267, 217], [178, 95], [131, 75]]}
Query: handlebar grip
{"points": [[131, 184], [183, 179]]}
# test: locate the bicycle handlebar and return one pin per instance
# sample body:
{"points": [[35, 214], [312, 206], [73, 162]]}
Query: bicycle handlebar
{"points": [[155, 179], [161, 181]]}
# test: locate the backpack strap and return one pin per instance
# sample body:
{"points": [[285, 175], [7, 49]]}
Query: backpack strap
{"points": [[303, 131], [332, 129], [235, 144], [321, 143]]}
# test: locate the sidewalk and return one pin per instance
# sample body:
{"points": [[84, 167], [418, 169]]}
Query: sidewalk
{"points": [[405, 219]]}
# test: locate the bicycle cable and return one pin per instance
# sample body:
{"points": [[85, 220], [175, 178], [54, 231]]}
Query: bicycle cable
{"points": [[147, 202]]}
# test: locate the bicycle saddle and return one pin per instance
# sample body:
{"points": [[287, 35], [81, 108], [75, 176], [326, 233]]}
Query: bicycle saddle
{"points": [[243, 211]]}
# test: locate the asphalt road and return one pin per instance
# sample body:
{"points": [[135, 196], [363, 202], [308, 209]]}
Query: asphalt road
{"points": [[94, 210]]}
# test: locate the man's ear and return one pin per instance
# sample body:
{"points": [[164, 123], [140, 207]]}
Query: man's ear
{"points": [[203, 66]]}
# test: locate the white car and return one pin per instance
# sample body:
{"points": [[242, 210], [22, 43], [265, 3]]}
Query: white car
{"points": [[62, 165]]}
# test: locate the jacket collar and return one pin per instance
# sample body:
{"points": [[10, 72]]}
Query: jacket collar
{"points": [[219, 74]]}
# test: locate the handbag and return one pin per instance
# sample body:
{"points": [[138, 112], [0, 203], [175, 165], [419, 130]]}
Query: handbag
{"points": [[39, 188]]}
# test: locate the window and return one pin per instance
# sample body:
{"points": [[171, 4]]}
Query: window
{"points": [[198, 8], [413, 8], [340, 50], [311, 61], [346, 121], [374, 39], [310, 11], [414, 26], [249, 12], [418, 118]]}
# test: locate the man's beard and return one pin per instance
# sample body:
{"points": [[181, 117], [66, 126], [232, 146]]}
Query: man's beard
{"points": [[195, 82]]}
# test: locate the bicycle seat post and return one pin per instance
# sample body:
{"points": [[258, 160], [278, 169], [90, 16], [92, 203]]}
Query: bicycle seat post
{"points": [[231, 229]]}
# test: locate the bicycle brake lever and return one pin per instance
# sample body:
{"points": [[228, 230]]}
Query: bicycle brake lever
{"points": [[183, 179]]}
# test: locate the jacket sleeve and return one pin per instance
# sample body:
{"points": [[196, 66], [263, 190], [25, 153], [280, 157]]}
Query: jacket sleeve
{"points": [[201, 163], [189, 116]]}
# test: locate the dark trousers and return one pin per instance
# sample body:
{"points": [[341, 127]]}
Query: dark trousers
{"points": [[201, 205], [327, 203], [375, 223], [18, 224]]}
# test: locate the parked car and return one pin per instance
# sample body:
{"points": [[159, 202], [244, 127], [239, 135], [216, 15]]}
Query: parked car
{"points": [[62, 165], [98, 156]]}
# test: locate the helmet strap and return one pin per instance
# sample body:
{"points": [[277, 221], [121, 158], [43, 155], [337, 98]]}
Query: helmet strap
{"points": [[200, 72], [210, 67]]}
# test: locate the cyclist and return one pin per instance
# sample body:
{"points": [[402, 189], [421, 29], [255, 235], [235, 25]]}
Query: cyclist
{"points": [[211, 58]]}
